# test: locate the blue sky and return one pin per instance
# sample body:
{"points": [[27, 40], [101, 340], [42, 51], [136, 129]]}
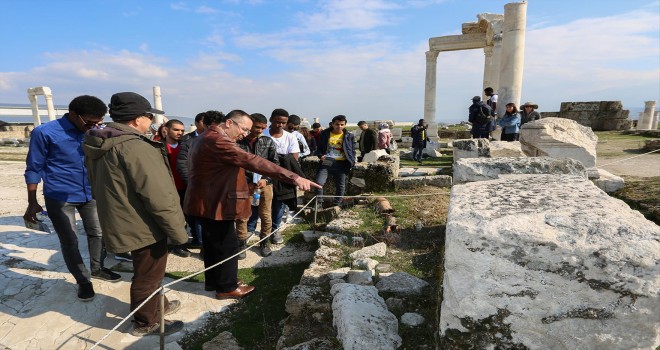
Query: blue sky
{"points": [[361, 58]]}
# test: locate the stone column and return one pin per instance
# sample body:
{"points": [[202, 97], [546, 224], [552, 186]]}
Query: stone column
{"points": [[158, 104], [35, 108], [646, 119], [49, 104], [654, 124], [490, 71], [513, 55], [429, 86]]}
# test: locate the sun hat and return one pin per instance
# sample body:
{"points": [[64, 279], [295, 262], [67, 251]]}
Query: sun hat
{"points": [[530, 104]]}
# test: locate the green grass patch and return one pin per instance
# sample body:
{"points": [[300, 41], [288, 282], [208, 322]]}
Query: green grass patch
{"points": [[255, 321], [642, 193], [445, 161]]}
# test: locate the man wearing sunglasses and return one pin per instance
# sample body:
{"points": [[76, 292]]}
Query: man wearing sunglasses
{"points": [[55, 156], [138, 202]]}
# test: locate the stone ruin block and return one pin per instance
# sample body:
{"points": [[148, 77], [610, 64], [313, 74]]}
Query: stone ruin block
{"points": [[471, 148], [548, 262], [559, 138], [481, 169], [506, 149], [599, 115]]}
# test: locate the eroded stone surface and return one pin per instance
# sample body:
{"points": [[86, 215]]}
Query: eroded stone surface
{"points": [[506, 149], [378, 249], [480, 169], [412, 319], [223, 341], [362, 320], [471, 148], [552, 260], [608, 182], [559, 138], [305, 299], [401, 283]]}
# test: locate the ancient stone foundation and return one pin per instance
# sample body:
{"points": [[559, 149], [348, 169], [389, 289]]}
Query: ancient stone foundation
{"points": [[548, 262], [599, 116]]}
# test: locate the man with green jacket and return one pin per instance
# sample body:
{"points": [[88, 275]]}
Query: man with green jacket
{"points": [[138, 205]]}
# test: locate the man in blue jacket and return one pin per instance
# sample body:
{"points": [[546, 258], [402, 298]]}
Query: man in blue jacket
{"points": [[336, 149], [56, 156]]}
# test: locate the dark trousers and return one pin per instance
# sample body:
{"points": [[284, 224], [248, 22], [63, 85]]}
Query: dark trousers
{"points": [[509, 137], [220, 242], [63, 217], [418, 152], [339, 170], [148, 272]]}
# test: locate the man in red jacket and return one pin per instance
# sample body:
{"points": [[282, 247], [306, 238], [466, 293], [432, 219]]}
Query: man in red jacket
{"points": [[218, 193]]}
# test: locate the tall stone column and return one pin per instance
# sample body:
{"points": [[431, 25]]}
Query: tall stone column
{"points": [[490, 71], [158, 104], [512, 55], [35, 108], [646, 119], [654, 124], [429, 86], [49, 105]]}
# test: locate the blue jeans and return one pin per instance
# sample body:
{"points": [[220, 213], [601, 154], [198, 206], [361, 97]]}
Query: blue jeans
{"points": [[339, 170], [277, 211], [63, 216], [417, 153]]}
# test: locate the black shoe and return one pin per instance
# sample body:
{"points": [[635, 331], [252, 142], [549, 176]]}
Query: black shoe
{"points": [[277, 238], [265, 249], [86, 291], [124, 256], [181, 251], [170, 328], [242, 246], [194, 245], [106, 275]]}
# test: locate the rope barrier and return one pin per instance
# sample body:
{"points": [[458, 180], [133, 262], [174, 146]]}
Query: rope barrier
{"points": [[622, 160], [162, 290]]}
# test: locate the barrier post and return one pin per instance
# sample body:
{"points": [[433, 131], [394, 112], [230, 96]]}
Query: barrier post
{"points": [[162, 316], [316, 209]]}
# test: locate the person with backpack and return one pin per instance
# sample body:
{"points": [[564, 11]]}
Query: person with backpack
{"points": [[481, 118], [419, 136]]}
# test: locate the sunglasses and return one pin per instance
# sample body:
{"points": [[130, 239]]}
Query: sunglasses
{"points": [[89, 124]]}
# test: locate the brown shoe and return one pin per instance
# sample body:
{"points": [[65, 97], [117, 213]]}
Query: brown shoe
{"points": [[237, 293]]}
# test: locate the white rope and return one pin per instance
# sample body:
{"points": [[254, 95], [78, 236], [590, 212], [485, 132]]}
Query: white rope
{"points": [[244, 250], [622, 160]]}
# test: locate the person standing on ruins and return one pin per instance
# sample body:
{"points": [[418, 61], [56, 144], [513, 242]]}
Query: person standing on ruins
{"points": [[481, 119], [55, 155], [492, 100], [368, 139], [218, 193], [138, 203], [419, 136], [337, 153], [528, 113], [510, 123]]}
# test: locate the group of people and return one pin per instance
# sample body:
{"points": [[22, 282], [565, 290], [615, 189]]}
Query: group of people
{"points": [[135, 195], [484, 118]]}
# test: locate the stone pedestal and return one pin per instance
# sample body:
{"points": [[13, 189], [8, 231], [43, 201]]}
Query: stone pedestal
{"points": [[646, 120]]}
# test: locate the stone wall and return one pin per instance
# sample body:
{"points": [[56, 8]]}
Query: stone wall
{"points": [[15, 130], [599, 115]]}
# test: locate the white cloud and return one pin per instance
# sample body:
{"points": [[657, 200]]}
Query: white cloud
{"points": [[349, 14], [205, 10]]}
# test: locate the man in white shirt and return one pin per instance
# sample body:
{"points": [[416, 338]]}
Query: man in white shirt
{"points": [[292, 126]]}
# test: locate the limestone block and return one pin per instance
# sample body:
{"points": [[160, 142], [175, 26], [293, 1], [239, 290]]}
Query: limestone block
{"points": [[412, 319], [331, 239], [471, 148], [432, 152], [404, 154], [378, 249], [608, 182], [223, 341], [307, 299], [480, 169], [325, 253], [406, 139], [506, 149], [548, 261], [365, 264], [559, 138], [373, 156], [394, 304], [362, 320], [338, 273], [651, 145], [335, 281], [420, 181], [397, 133], [359, 277], [405, 172], [311, 236], [361, 183], [402, 283], [315, 274], [426, 172]]}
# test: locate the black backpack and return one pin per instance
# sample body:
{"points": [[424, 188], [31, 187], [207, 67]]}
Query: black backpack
{"points": [[483, 117]]}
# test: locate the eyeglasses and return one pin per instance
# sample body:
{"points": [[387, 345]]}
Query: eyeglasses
{"points": [[89, 124], [243, 129], [149, 115]]}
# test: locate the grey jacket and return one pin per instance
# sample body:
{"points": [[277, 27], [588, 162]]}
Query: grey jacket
{"points": [[132, 183]]}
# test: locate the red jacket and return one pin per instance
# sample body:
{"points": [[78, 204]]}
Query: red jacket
{"points": [[217, 187]]}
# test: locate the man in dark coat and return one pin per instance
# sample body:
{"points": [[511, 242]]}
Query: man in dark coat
{"points": [[368, 140], [419, 136], [481, 119]]}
